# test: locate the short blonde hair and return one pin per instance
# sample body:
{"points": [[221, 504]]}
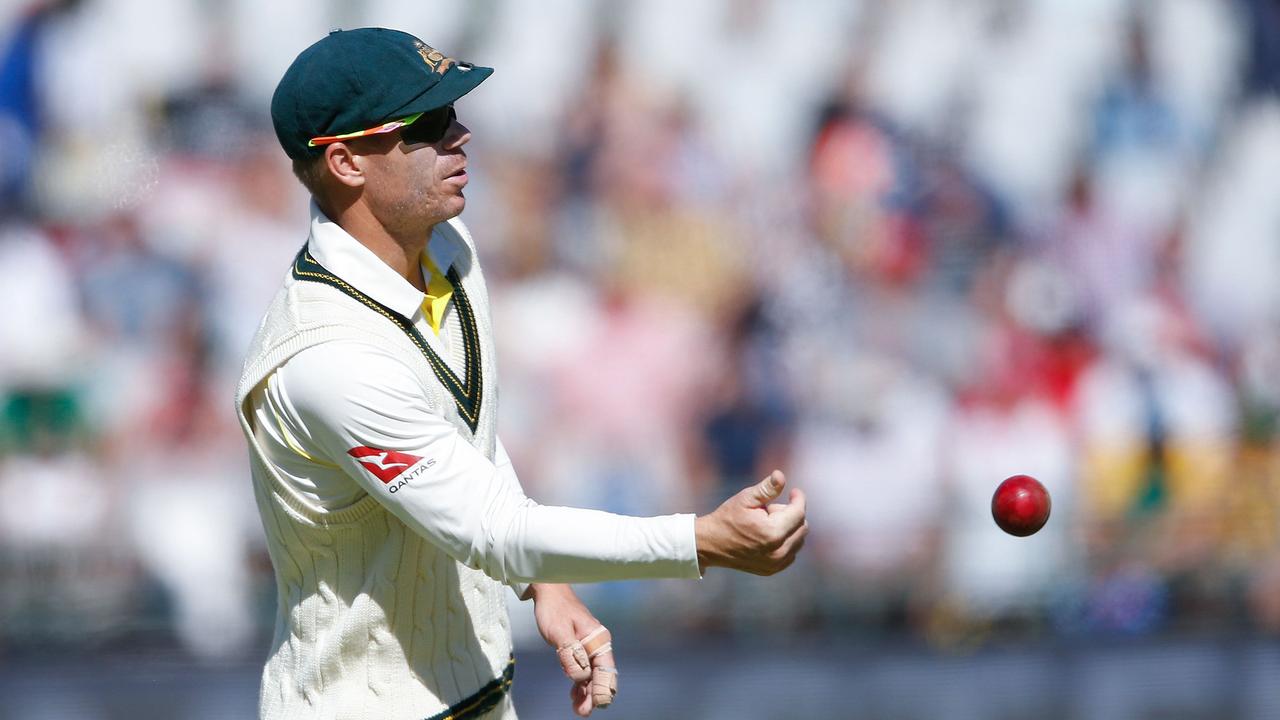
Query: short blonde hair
{"points": [[310, 172]]}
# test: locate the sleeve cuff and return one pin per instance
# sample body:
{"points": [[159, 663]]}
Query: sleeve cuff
{"points": [[688, 544]]}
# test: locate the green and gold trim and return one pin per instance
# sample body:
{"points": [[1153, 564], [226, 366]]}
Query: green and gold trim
{"points": [[483, 700], [467, 391]]}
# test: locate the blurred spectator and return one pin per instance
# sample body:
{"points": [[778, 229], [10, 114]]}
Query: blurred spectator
{"points": [[190, 525], [22, 97], [1143, 152], [117, 255], [1231, 272], [854, 169], [1262, 26], [748, 417], [869, 450], [41, 342], [1106, 257]]}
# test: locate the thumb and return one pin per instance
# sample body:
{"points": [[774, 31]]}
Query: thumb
{"points": [[766, 491]]}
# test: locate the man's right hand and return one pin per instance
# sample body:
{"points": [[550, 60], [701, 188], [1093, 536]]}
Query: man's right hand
{"points": [[750, 532]]}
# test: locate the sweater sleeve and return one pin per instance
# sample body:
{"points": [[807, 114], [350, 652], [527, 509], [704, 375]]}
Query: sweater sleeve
{"points": [[364, 410], [508, 473]]}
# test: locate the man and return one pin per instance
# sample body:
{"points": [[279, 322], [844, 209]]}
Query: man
{"points": [[368, 398]]}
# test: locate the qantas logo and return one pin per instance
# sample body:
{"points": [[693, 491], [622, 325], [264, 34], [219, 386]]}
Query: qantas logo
{"points": [[386, 465]]}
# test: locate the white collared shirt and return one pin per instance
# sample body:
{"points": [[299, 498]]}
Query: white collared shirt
{"points": [[314, 410]]}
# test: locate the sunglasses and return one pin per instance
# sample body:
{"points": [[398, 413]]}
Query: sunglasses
{"points": [[427, 127]]}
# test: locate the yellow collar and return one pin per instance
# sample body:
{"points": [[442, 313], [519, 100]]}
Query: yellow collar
{"points": [[439, 290]]}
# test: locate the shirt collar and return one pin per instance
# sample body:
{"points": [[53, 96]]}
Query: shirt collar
{"points": [[445, 249], [349, 259]]}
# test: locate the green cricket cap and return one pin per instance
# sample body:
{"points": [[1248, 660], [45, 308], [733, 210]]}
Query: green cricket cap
{"points": [[352, 80]]}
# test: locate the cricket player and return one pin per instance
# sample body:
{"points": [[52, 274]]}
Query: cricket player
{"points": [[369, 401]]}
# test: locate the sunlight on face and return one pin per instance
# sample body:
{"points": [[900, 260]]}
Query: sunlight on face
{"points": [[410, 188]]}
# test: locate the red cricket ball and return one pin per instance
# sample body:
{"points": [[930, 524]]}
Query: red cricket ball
{"points": [[1021, 505]]}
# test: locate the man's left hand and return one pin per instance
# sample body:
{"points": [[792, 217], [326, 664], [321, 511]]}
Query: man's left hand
{"points": [[584, 647]]}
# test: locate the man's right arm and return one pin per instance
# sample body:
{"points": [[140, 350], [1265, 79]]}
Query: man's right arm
{"points": [[364, 410]]}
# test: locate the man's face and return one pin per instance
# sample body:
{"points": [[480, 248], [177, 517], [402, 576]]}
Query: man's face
{"points": [[411, 186]]}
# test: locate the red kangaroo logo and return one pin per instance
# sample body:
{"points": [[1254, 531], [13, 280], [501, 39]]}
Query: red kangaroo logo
{"points": [[386, 465]]}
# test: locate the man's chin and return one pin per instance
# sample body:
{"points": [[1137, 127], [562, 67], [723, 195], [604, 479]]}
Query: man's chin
{"points": [[456, 206], [448, 210]]}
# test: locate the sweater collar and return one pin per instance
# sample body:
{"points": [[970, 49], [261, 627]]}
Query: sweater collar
{"points": [[349, 259]]}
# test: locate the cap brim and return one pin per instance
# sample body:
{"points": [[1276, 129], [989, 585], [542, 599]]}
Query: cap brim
{"points": [[457, 81]]}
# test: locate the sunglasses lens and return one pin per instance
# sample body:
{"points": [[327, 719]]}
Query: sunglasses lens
{"points": [[430, 128]]}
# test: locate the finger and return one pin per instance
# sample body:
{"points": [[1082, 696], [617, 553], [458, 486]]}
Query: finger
{"points": [[604, 677], [604, 659], [785, 564], [604, 670], [580, 698], [767, 490], [792, 515], [797, 499], [574, 661], [575, 657], [779, 507], [597, 641], [604, 685], [795, 542]]}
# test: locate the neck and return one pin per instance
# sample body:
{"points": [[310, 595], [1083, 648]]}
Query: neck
{"points": [[402, 252]]}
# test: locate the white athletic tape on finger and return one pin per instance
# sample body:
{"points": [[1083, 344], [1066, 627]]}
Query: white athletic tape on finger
{"points": [[605, 648], [571, 655], [604, 686], [593, 640], [768, 489]]}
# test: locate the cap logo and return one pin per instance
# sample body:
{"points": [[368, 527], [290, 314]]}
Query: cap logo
{"points": [[434, 59]]}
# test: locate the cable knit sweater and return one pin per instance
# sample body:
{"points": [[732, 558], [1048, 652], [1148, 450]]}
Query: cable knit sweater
{"points": [[373, 621]]}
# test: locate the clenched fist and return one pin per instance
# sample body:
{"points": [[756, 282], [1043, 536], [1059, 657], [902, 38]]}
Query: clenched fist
{"points": [[750, 532]]}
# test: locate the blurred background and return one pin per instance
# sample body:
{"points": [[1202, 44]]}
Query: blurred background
{"points": [[901, 250]]}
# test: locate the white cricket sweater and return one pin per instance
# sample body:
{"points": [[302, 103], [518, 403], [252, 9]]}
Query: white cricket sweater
{"points": [[393, 607]]}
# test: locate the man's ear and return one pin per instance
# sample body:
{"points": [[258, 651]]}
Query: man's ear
{"points": [[345, 166]]}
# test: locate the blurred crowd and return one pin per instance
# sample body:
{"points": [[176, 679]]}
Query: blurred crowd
{"points": [[900, 250]]}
